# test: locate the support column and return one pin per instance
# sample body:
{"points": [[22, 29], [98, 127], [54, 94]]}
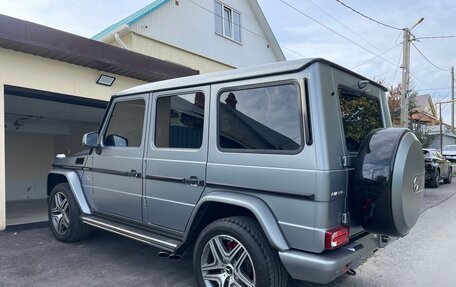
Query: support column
{"points": [[2, 159]]}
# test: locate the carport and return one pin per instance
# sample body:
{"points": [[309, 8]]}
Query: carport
{"points": [[49, 97]]}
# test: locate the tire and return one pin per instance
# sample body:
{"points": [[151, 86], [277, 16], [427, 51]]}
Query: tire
{"points": [[450, 176], [64, 215], [435, 180], [240, 237], [389, 182]]}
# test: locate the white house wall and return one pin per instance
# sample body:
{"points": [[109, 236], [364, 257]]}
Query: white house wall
{"points": [[192, 28]]}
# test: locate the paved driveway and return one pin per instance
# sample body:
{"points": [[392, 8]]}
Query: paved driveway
{"points": [[32, 257]]}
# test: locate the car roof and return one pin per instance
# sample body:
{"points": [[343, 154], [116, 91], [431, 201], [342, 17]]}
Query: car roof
{"points": [[237, 74]]}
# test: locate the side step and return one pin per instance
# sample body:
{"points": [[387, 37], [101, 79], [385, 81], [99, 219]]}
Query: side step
{"points": [[150, 238]]}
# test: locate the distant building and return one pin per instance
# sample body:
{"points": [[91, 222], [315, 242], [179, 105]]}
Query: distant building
{"points": [[205, 35], [448, 138], [424, 112]]}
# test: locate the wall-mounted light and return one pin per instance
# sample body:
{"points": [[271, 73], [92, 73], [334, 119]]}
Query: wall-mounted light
{"points": [[106, 80]]}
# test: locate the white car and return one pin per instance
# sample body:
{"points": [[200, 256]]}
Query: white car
{"points": [[449, 151]]}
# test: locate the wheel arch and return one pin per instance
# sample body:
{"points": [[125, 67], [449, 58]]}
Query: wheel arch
{"points": [[211, 207], [71, 177]]}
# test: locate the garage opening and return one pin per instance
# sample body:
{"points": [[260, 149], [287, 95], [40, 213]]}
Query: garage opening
{"points": [[38, 126]]}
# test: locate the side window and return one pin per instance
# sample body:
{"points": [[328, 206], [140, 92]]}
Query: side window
{"points": [[179, 121], [263, 119], [125, 126], [360, 115]]}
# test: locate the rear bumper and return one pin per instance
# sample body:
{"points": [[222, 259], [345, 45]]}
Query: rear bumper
{"points": [[325, 267]]}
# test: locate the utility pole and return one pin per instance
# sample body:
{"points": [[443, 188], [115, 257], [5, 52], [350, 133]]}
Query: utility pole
{"points": [[452, 99], [405, 77], [406, 73]]}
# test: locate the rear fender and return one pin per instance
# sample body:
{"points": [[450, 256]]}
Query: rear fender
{"points": [[255, 205], [74, 182]]}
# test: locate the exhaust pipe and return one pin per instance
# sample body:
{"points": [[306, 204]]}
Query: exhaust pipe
{"points": [[164, 254], [175, 257], [351, 272]]}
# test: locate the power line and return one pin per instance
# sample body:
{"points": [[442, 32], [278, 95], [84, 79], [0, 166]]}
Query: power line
{"points": [[351, 41], [367, 17], [335, 32], [426, 58], [347, 27], [376, 56], [246, 29], [436, 37], [398, 66]]}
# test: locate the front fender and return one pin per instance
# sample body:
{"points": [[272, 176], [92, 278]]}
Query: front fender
{"points": [[75, 186], [257, 206]]}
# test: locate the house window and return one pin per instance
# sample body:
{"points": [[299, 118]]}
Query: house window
{"points": [[227, 22]]}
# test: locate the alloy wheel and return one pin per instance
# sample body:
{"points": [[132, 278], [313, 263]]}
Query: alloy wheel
{"points": [[60, 213], [225, 262]]}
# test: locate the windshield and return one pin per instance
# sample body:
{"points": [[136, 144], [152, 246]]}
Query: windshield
{"points": [[360, 115]]}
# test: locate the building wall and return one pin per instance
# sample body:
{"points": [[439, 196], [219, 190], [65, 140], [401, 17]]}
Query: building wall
{"points": [[192, 28], [39, 73], [28, 165], [153, 48], [28, 160], [446, 140]]}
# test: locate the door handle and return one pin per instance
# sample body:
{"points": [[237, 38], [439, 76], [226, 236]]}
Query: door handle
{"points": [[194, 181], [133, 173]]}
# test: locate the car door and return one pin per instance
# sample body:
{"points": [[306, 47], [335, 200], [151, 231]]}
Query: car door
{"points": [[118, 164], [176, 156]]}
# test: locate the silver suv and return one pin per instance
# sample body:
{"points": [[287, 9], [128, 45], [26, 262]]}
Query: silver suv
{"points": [[289, 169]]}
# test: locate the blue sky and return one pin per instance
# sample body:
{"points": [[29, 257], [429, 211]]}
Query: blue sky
{"points": [[295, 32]]}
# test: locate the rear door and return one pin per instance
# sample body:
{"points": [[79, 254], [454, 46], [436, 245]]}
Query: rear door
{"points": [[176, 156]]}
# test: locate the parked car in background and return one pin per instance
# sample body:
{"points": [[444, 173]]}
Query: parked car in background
{"points": [[449, 152], [437, 167]]}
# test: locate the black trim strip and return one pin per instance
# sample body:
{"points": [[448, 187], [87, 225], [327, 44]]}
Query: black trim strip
{"points": [[176, 180], [271, 192], [308, 123], [166, 178], [101, 170], [68, 166], [116, 172]]}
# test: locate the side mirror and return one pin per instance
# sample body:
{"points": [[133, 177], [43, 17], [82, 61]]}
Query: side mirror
{"points": [[116, 140], [90, 140]]}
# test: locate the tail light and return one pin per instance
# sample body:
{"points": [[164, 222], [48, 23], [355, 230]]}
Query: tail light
{"points": [[336, 237]]}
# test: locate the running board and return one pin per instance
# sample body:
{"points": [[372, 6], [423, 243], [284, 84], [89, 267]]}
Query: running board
{"points": [[156, 240]]}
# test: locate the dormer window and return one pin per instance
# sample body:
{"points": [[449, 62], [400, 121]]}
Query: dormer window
{"points": [[227, 22]]}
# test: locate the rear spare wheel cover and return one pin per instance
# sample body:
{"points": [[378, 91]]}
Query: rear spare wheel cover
{"points": [[407, 183], [389, 181]]}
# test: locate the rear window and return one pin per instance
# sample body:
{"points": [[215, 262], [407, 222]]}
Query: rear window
{"points": [[360, 115], [261, 119]]}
